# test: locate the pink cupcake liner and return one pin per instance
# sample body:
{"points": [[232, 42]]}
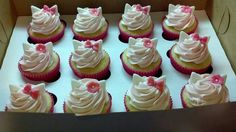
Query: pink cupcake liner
{"points": [[125, 36], [53, 38], [172, 35], [47, 77], [83, 38], [141, 73], [185, 70], [127, 109], [107, 111], [182, 98], [99, 76], [51, 109]]}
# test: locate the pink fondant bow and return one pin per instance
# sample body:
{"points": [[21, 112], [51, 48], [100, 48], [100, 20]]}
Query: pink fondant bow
{"points": [[157, 84], [34, 93], [95, 46], [186, 9], [196, 37], [51, 10], [145, 9]]}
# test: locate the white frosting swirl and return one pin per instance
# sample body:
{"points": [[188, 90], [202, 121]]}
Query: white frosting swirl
{"points": [[45, 22], [140, 54], [87, 57], [21, 102], [83, 102], [178, 18], [191, 50], [136, 19], [89, 20], [146, 97], [36, 61], [202, 91]]}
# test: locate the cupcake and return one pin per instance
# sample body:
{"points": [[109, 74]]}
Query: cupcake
{"points": [[179, 18], [204, 89], [30, 98], [39, 62], [191, 54], [148, 94], [46, 25], [88, 97], [141, 57], [89, 60], [136, 22], [89, 24]]}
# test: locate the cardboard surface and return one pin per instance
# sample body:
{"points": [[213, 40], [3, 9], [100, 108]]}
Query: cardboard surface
{"points": [[119, 81], [223, 17]]}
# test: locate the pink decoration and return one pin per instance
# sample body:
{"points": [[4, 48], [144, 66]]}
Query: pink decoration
{"points": [[217, 79], [51, 10], [186, 9], [148, 43], [95, 46], [94, 11], [34, 93], [41, 48], [145, 9], [196, 37], [157, 84], [93, 87]]}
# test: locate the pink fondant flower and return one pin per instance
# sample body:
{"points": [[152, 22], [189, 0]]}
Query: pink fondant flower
{"points": [[217, 79], [148, 43], [94, 11], [186, 9], [41, 48], [93, 87]]}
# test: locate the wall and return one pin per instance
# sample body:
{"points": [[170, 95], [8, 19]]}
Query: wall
{"points": [[223, 17]]}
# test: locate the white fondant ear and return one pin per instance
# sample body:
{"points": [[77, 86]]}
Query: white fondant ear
{"points": [[183, 36], [171, 8], [100, 10], [149, 8], [76, 44], [49, 46], [163, 77], [194, 77], [40, 87], [26, 46], [225, 77], [137, 79], [55, 8], [34, 9], [132, 41], [80, 10], [154, 40], [13, 88], [193, 8], [99, 41], [127, 7], [103, 84], [75, 84]]}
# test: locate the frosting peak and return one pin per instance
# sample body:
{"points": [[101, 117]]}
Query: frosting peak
{"points": [[89, 20], [136, 17], [37, 57], [28, 98], [142, 51], [180, 17], [192, 48], [87, 54], [46, 20], [149, 93], [87, 97], [206, 89]]}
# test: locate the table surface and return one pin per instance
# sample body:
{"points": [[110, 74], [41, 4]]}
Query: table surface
{"points": [[119, 81]]}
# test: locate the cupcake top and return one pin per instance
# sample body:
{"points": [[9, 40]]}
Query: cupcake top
{"points": [[180, 16], [136, 17], [89, 20], [149, 93], [28, 98], [36, 57], [87, 54], [46, 20], [142, 51], [206, 89], [192, 48], [87, 97]]}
